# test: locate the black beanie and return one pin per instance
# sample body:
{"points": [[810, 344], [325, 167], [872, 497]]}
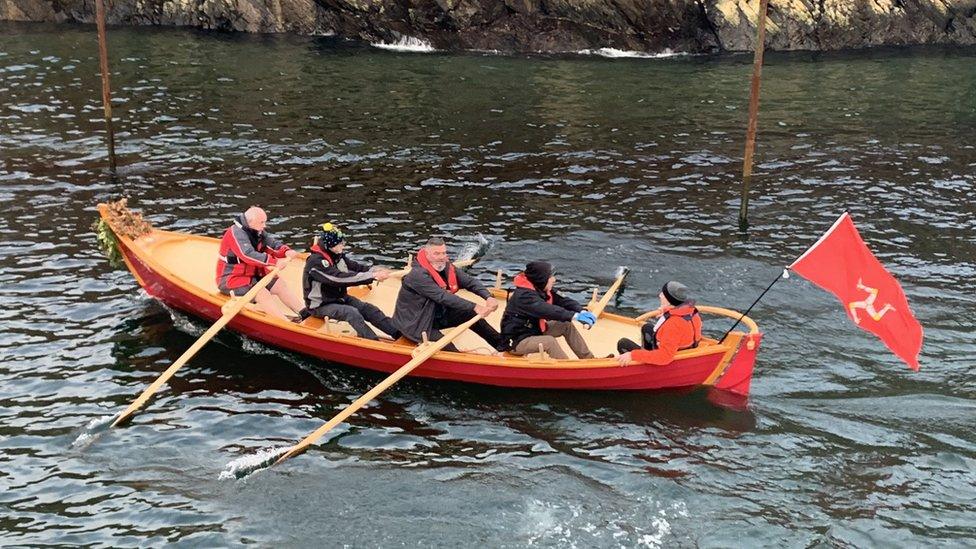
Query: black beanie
{"points": [[675, 292], [330, 236], [538, 273]]}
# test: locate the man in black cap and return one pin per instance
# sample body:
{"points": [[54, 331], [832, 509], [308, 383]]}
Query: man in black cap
{"points": [[536, 315], [328, 273], [678, 327]]}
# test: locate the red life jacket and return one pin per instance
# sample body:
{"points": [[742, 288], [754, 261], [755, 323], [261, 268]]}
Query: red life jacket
{"points": [[235, 268], [522, 281], [452, 282], [325, 255]]}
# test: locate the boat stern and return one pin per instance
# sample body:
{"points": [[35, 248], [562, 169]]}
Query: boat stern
{"points": [[738, 376]]}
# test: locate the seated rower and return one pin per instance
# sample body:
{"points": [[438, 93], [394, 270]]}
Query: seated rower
{"points": [[246, 253], [329, 272], [677, 328], [427, 304], [536, 315]]}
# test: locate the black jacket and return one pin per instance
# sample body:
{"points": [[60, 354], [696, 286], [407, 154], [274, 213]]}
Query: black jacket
{"points": [[324, 283], [526, 306], [420, 296]]}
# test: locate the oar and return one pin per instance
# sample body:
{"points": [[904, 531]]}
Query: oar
{"points": [[421, 357], [648, 314], [230, 310], [597, 308]]}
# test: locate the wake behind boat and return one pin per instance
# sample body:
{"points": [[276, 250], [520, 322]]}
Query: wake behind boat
{"points": [[177, 269]]}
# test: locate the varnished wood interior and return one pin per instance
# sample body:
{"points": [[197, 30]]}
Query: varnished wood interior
{"points": [[193, 260]]}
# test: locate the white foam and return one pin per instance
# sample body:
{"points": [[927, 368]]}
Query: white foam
{"points": [[91, 432], [99, 422], [470, 249], [407, 44], [567, 524], [83, 440], [247, 464], [614, 53]]}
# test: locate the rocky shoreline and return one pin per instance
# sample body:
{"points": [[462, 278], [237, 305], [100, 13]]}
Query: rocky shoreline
{"points": [[653, 26]]}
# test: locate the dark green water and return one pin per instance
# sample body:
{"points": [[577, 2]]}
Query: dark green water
{"points": [[589, 162]]}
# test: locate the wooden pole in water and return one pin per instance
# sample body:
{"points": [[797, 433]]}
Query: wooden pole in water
{"points": [[753, 112], [106, 86]]}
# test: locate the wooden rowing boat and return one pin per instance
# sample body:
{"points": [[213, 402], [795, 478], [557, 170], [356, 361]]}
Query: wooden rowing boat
{"points": [[178, 269]]}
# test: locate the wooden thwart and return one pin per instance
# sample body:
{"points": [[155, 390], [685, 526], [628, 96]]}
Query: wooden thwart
{"points": [[431, 348], [229, 311]]}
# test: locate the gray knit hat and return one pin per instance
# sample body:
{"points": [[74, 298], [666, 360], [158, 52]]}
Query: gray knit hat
{"points": [[675, 292]]}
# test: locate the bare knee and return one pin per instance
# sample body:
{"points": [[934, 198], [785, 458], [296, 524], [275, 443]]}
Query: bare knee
{"points": [[280, 287]]}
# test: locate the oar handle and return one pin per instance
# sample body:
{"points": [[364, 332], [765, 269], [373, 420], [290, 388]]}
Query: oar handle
{"points": [[649, 314], [235, 307], [375, 391]]}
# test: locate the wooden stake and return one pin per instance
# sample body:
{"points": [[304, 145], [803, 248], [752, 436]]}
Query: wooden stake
{"points": [[498, 280], [753, 113], [106, 84]]}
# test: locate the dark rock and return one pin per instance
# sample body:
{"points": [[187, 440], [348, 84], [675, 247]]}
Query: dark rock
{"points": [[551, 25]]}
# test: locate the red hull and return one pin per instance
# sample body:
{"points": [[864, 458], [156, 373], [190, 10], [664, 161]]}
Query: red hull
{"points": [[731, 370]]}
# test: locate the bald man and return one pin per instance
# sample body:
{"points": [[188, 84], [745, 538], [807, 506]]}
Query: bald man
{"points": [[246, 253]]}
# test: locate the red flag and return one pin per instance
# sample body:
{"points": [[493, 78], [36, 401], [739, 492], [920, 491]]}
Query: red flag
{"points": [[843, 265]]}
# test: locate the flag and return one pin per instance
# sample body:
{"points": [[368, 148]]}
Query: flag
{"points": [[841, 263]]}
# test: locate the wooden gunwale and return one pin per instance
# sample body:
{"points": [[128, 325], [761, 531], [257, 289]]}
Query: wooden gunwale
{"points": [[143, 247]]}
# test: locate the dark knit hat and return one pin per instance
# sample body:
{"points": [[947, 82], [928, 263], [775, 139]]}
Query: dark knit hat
{"points": [[330, 236], [675, 292], [538, 273]]}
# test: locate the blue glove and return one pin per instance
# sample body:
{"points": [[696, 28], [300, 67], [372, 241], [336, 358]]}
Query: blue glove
{"points": [[585, 317]]}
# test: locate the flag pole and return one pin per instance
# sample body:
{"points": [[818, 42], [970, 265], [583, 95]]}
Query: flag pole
{"points": [[786, 271], [786, 274]]}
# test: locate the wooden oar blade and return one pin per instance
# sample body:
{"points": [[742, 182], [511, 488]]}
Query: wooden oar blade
{"points": [[472, 252], [621, 274]]}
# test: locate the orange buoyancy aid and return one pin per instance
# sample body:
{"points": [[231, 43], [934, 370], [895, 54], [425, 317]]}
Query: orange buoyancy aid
{"points": [[679, 329], [452, 282], [522, 281]]}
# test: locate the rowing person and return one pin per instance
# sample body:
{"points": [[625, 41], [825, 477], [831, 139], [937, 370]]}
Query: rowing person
{"points": [[536, 315], [246, 253], [678, 327], [427, 302], [329, 272]]}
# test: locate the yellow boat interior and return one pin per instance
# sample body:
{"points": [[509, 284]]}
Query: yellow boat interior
{"points": [[190, 261]]}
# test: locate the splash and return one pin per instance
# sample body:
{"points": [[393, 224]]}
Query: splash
{"points": [[568, 524], [91, 432], [475, 250], [252, 463], [614, 53], [407, 44]]}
